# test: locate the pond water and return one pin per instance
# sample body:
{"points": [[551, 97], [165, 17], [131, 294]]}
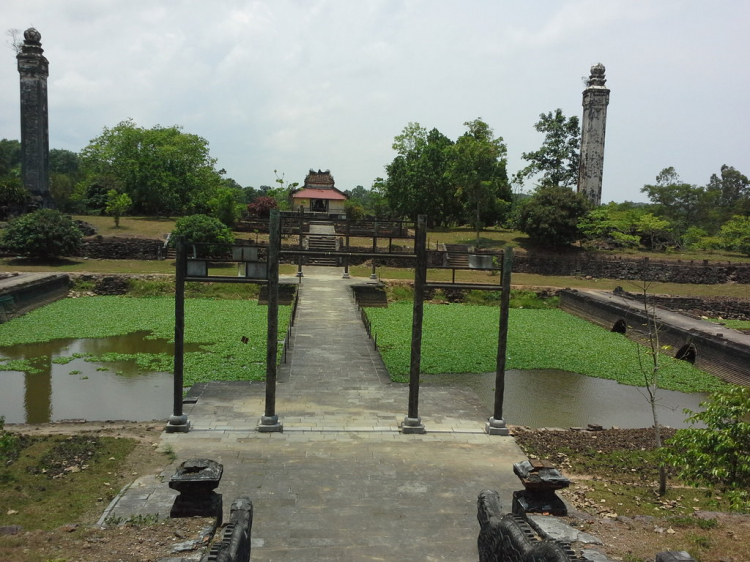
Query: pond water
{"points": [[86, 390], [551, 398], [117, 390]]}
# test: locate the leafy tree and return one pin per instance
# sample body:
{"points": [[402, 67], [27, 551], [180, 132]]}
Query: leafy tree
{"points": [[162, 169], [354, 211], [283, 193], [550, 216], [557, 159], [224, 205], [735, 234], [63, 161], [675, 200], [730, 191], [262, 206], [13, 195], [478, 169], [378, 203], [418, 180], [719, 453], [10, 157], [202, 229], [44, 233], [653, 230], [607, 226], [117, 204]]}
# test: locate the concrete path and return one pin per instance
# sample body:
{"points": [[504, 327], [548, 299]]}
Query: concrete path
{"points": [[341, 482]]}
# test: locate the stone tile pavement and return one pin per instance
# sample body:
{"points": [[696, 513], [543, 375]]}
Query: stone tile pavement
{"points": [[341, 482]]}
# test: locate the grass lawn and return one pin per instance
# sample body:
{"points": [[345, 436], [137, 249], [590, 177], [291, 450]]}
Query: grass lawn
{"points": [[143, 227]]}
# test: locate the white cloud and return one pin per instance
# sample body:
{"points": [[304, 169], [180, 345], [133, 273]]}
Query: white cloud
{"points": [[294, 84]]}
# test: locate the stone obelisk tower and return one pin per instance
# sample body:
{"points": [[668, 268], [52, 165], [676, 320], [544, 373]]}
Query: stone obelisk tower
{"points": [[593, 127], [34, 69]]}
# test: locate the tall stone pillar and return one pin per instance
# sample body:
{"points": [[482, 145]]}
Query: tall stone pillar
{"points": [[34, 69], [593, 128]]}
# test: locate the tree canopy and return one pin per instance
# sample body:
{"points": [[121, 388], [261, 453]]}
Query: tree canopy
{"points": [[446, 180], [163, 170], [551, 215], [556, 161]]}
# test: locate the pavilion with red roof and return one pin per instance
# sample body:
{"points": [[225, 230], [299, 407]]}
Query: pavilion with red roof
{"points": [[319, 195]]}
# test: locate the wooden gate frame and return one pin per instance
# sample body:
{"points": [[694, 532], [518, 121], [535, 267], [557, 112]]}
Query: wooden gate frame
{"points": [[269, 422]]}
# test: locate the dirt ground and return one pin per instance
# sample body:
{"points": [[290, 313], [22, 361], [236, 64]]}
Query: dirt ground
{"points": [[671, 523], [81, 541], [708, 536]]}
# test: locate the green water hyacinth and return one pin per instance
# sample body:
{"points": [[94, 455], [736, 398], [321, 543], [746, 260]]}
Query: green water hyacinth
{"points": [[463, 339], [217, 325]]}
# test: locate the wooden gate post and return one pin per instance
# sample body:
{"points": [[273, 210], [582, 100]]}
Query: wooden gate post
{"points": [[178, 421], [346, 248], [270, 421], [413, 423], [301, 243], [496, 424]]}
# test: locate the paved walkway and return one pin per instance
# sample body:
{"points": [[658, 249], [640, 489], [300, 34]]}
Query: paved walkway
{"points": [[341, 482]]}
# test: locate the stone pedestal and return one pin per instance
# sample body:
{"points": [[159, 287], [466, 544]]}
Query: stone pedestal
{"points": [[178, 424], [540, 480], [412, 425], [196, 480], [496, 427], [270, 424]]}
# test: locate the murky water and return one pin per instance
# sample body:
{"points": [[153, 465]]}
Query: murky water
{"points": [[551, 398], [85, 390]]}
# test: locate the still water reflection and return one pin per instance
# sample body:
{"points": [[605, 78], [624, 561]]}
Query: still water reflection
{"points": [[82, 389], [551, 398], [543, 398]]}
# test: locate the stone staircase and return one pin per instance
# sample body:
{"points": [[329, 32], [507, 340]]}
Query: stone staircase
{"points": [[322, 238], [458, 255], [322, 244]]}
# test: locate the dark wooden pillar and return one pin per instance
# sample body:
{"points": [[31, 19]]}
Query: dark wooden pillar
{"points": [[270, 421], [178, 422], [413, 423], [496, 424], [346, 249]]}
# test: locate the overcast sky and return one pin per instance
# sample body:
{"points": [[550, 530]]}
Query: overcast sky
{"points": [[290, 85]]}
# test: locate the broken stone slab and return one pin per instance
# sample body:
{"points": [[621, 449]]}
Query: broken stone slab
{"points": [[197, 476], [538, 474], [538, 501], [553, 528]]}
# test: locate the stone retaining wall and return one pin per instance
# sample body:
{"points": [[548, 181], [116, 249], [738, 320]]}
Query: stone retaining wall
{"points": [[714, 354], [30, 291], [121, 248], [698, 272], [713, 307], [584, 265]]}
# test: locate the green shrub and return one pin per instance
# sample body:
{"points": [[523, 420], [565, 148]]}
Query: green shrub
{"points": [[717, 455], [202, 229], [8, 442], [45, 233], [735, 234]]}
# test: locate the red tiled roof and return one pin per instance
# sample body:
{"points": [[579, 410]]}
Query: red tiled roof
{"points": [[312, 193]]}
